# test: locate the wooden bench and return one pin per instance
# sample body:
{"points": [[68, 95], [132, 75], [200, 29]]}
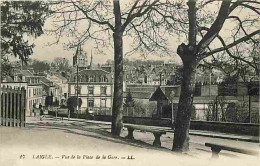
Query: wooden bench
{"points": [[216, 148], [156, 132]]}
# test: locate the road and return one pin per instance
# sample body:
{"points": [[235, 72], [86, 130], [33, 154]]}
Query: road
{"points": [[55, 142]]}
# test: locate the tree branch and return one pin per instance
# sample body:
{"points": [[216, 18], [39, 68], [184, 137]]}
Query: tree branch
{"points": [[216, 26], [92, 19], [251, 7], [131, 17], [243, 39], [192, 22], [241, 25]]}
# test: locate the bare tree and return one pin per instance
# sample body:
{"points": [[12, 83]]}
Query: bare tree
{"points": [[145, 23], [107, 24], [204, 28], [61, 63]]}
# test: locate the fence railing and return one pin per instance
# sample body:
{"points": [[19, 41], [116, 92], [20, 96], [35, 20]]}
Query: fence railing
{"points": [[12, 105]]}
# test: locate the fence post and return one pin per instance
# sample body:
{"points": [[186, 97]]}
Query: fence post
{"points": [[11, 119], [22, 107], [2, 107], [7, 107], [19, 107], [15, 107]]}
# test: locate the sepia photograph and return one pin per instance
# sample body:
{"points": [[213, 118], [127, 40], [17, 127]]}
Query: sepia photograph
{"points": [[129, 82]]}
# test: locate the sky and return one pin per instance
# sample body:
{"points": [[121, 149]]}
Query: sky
{"points": [[43, 51]]}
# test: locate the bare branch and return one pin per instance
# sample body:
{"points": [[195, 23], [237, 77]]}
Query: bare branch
{"points": [[241, 25], [92, 19], [140, 13], [243, 39], [216, 26], [251, 7]]}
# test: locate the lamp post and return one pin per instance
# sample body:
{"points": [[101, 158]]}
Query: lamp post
{"points": [[77, 86], [171, 97]]}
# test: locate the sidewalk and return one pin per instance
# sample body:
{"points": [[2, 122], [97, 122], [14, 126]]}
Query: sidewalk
{"points": [[213, 134], [81, 142]]}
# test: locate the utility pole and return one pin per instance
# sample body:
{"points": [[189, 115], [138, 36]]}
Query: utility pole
{"points": [[77, 91]]}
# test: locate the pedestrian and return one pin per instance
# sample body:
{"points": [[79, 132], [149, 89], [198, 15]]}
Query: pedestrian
{"points": [[40, 106], [41, 111], [33, 111]]}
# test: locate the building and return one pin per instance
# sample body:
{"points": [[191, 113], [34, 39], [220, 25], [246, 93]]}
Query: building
{"points": [[34, 89], [32, 84], [95, 88], [80, 59], [62, 82], [141, 106], [219, 102], [50, 89], [149, 74]]}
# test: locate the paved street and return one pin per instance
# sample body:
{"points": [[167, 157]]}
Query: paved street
{"points": [[61, 141]]}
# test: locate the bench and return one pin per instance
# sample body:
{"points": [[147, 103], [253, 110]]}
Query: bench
{"points": [[216, 148], [156, 132]]}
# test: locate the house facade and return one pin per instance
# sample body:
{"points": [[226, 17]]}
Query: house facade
{"points": [[95, 88], [221, 102], [32, 84], [62, 82], [35, 93]]}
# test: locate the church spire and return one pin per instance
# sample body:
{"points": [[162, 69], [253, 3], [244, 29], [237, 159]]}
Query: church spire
{"points": [[91, 59]]}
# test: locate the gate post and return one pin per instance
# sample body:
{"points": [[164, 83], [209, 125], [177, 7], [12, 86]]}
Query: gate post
{"points": [[22, 107]]}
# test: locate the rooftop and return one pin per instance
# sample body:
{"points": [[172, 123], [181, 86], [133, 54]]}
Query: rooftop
{"points": [[92, 72]]}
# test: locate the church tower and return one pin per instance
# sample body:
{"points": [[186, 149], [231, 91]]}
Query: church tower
{"points": [[80, 59]]}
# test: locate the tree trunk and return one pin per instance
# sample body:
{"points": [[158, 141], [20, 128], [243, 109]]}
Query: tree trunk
{"points": [[117, 111], [190, 62], [182, 124]]}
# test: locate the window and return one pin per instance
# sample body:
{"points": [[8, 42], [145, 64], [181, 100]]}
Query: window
{"points": [[87, 79], [103, 103], [103, 90], [79, 89], [91, 90], [91, 103], [102, 79], [91, 79]]}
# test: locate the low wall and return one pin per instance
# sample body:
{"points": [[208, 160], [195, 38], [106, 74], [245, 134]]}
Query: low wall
{"points": [[72, 115], [226, 127]]}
